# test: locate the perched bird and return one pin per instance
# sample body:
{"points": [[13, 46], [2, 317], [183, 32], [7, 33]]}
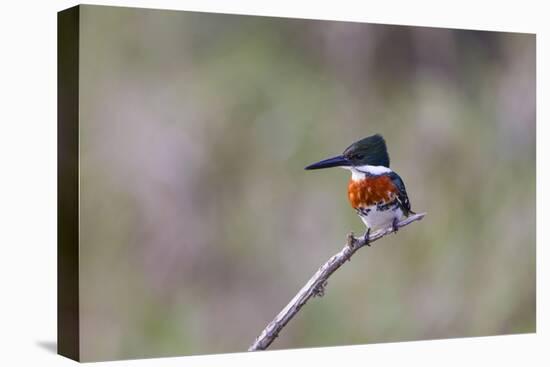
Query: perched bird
{"points": [[376, 192]]}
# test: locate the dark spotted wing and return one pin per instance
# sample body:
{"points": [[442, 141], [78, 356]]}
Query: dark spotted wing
{"points": [[402, 197]]}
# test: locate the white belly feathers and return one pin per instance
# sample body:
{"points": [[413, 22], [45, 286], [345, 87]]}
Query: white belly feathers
{"points": [[374, 218]]}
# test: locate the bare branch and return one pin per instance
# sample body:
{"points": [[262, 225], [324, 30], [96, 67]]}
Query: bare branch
{"points": [[316, 285]]}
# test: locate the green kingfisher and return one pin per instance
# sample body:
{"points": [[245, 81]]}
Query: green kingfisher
{"points": [[376, 192]]}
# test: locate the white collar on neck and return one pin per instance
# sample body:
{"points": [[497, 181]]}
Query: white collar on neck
{"points": [[359, 172]]}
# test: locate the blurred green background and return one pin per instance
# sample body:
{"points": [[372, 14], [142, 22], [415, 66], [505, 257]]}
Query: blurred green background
{"points": [[198, 222]]}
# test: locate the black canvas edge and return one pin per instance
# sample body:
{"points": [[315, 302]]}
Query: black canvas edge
{"points": [[68, 316]]}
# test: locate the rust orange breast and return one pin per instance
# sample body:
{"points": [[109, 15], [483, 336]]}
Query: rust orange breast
{"points": [[370, 191]]}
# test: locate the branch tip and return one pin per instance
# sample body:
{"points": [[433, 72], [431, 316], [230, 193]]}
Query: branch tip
{"points": [[315, 287]]}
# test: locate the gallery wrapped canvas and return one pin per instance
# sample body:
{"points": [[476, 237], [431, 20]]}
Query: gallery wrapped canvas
{"points": [[188, 225]]}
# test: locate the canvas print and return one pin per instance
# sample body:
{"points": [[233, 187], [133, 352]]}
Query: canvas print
{"points": [[233, 183]]}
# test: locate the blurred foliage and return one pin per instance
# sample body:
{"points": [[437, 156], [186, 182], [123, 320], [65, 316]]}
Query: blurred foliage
{"points": [[198, 222]]}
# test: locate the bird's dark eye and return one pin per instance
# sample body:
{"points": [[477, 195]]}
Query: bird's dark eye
{"points": [[358, 156]]}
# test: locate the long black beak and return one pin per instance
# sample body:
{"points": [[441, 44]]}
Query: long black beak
{"points": [[339, 161]]}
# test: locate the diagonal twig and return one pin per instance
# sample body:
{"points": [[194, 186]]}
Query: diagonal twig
{"points": [[316, 285]]}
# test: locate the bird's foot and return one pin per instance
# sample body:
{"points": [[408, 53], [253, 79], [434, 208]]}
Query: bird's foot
{"points": [[366, 237], [394, 225]]}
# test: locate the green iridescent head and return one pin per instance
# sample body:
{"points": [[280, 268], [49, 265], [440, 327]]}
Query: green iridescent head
{"points": [[368, 151]]}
